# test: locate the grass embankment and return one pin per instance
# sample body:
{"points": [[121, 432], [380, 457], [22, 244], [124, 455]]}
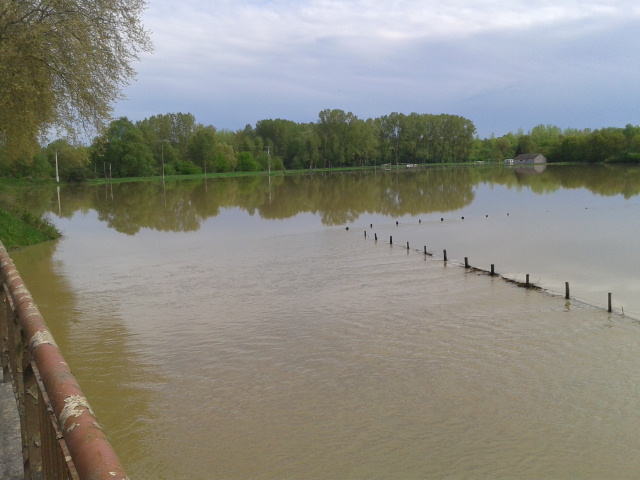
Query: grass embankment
{"points": [[20, 228]]}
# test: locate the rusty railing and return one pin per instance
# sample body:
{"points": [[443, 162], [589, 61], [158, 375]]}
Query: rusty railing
{"points": [[61, 437]]}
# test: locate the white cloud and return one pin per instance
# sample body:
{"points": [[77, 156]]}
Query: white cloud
{"points": [[373, 57]]}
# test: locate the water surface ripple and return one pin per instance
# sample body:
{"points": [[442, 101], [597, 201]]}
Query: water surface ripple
{"points": [[257, 348]]}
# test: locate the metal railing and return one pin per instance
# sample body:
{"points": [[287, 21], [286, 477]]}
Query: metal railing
{"points": [[61, 437]]}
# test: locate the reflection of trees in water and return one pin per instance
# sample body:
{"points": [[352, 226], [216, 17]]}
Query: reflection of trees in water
{"points": [[149, 205], [337, 198], [342, 198], [602, 179], [608, 180]]}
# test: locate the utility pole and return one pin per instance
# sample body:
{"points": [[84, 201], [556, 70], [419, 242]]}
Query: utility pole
{"points": [[269, 161], [162, 156], [57, 176]]}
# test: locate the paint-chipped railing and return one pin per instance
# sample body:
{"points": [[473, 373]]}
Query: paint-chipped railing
{"points": [[61, 437]]}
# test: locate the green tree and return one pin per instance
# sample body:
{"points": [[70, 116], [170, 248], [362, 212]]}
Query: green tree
{"points": [[502, 149], [121, 152], [284, 139], [335, 129], [365, 142], [246, 163], [202, 148], [247, 140], [525, 145], [209, 153], [544, 136], [390, 134], [62, 64], [224, 158], [168, 137], [72, 160]]}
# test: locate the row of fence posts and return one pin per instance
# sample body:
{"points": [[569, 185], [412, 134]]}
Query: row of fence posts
{"points": [[527, 283]]}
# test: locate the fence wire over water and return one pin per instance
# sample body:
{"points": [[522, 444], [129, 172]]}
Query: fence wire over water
{"points": [[333, 358], [522, 280], [280, 345]]}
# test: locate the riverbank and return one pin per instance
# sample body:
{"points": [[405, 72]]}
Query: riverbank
{"points": [[18, 226], [21, 228]]}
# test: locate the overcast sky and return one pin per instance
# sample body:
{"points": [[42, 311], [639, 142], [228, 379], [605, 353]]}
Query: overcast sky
{"points": [[504, 64]]}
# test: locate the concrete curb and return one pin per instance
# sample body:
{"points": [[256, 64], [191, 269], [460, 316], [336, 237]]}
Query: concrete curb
{"points": [[10, 442]]}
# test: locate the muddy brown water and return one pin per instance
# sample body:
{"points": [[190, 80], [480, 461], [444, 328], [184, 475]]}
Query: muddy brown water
{"points": [[236, 329]]}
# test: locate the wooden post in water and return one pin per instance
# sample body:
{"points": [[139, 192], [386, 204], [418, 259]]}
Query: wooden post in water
{"points": [[466, 262], [566, 290], [390, 240], [445, 255], [527, 282], [375, 237], [609, 309], [365, 234], [492, 270], [407, 245], [425, 249]]}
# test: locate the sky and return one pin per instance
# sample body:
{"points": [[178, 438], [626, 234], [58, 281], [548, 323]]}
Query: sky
{"points": [[504, 64]]}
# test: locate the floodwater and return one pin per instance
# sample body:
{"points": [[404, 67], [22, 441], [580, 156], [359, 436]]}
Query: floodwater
{"points": [[236, 329]]}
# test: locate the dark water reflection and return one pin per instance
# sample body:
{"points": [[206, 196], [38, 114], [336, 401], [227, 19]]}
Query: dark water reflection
{"points": [[337, 198]]}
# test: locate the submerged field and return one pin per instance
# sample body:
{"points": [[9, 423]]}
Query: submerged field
{"points": [[237, 329]]}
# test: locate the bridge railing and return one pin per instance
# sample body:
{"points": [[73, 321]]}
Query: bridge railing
{"points": [[61, 437]]}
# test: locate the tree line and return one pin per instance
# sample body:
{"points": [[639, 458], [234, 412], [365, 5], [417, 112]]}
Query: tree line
{"points": [[63, 64], [610, 145], [176, 144]]}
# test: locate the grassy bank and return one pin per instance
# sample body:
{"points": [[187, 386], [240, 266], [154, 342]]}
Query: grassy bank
{"points": [[20, 229]]}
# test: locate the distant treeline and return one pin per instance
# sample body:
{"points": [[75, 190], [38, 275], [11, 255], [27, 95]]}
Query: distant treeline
{"points": [[612, 145], [176, 144]]}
